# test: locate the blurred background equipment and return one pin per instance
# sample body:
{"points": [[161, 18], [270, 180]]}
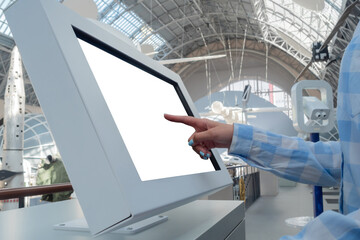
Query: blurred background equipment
{"points": [[14, 110]]}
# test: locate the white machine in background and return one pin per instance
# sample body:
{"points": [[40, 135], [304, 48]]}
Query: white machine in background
{"points": [[319, 119], [14, 110], [236, 114], [319, 112]]}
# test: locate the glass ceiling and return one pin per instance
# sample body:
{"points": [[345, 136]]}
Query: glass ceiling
{"points": [[288, 18], [4, 28], [300, 24], [114, 13]]}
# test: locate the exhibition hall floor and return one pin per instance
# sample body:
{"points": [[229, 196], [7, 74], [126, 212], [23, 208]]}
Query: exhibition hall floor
{"points": [[265, 219]]}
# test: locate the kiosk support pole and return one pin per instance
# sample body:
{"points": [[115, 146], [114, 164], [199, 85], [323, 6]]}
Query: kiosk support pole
{"points": [[318, 195]]}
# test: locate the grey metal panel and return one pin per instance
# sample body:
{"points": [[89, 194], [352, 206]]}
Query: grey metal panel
{"points": [[238, 233], [226, 225], [187, 222]]}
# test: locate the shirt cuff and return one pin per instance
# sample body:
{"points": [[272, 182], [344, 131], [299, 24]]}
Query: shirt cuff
{"points": [[242, 140]]}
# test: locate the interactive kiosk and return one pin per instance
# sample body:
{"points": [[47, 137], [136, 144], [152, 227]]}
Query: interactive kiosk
{"points": [[104, 102]]}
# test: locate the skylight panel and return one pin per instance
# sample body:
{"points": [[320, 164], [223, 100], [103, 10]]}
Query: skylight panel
{"points": [[125, 26], [103, 4], [129, 23], [303, 25], [112, 15], [4, 28], [155, 40], [5, 3]]}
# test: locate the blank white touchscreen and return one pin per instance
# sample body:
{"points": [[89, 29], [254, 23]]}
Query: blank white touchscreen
{"points": [[137, 101]]}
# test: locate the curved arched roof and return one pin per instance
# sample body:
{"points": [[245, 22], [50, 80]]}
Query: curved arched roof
{"points": [[177, 28]]}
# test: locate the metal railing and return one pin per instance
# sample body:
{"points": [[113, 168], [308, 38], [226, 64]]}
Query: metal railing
{"points": [[9, 193]]}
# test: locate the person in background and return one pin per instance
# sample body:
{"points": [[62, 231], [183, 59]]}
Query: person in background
{"points": [[320, 164], [52, 171]]}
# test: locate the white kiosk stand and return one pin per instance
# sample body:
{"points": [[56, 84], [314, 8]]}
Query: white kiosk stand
{"points": [[105, 102], [312, 115]]}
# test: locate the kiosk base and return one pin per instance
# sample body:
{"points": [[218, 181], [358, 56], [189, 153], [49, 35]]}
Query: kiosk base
{"points": [[81, 225], [201, 219]]}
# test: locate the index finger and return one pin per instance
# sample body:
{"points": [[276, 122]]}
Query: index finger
{"points": [[190, 121]]}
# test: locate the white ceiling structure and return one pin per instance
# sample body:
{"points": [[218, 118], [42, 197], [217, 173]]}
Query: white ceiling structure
{"points": [[282, 30]]}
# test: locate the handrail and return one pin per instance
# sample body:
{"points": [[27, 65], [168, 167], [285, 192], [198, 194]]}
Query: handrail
{"points": [[8, 193]]}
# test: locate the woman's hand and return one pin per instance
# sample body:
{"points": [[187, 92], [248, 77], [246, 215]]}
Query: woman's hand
{"points": [[208, 134]]}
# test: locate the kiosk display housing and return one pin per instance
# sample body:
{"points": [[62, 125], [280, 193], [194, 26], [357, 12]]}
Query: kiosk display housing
{"points": [[104, 102]]}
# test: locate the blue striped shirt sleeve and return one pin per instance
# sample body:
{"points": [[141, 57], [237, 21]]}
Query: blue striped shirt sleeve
{"points": [[288, 157]]}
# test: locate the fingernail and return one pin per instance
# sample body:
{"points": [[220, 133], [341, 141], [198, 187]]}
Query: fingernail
{"points": [[191, 142], [207, 155], [205, 158], [202, 154]]}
